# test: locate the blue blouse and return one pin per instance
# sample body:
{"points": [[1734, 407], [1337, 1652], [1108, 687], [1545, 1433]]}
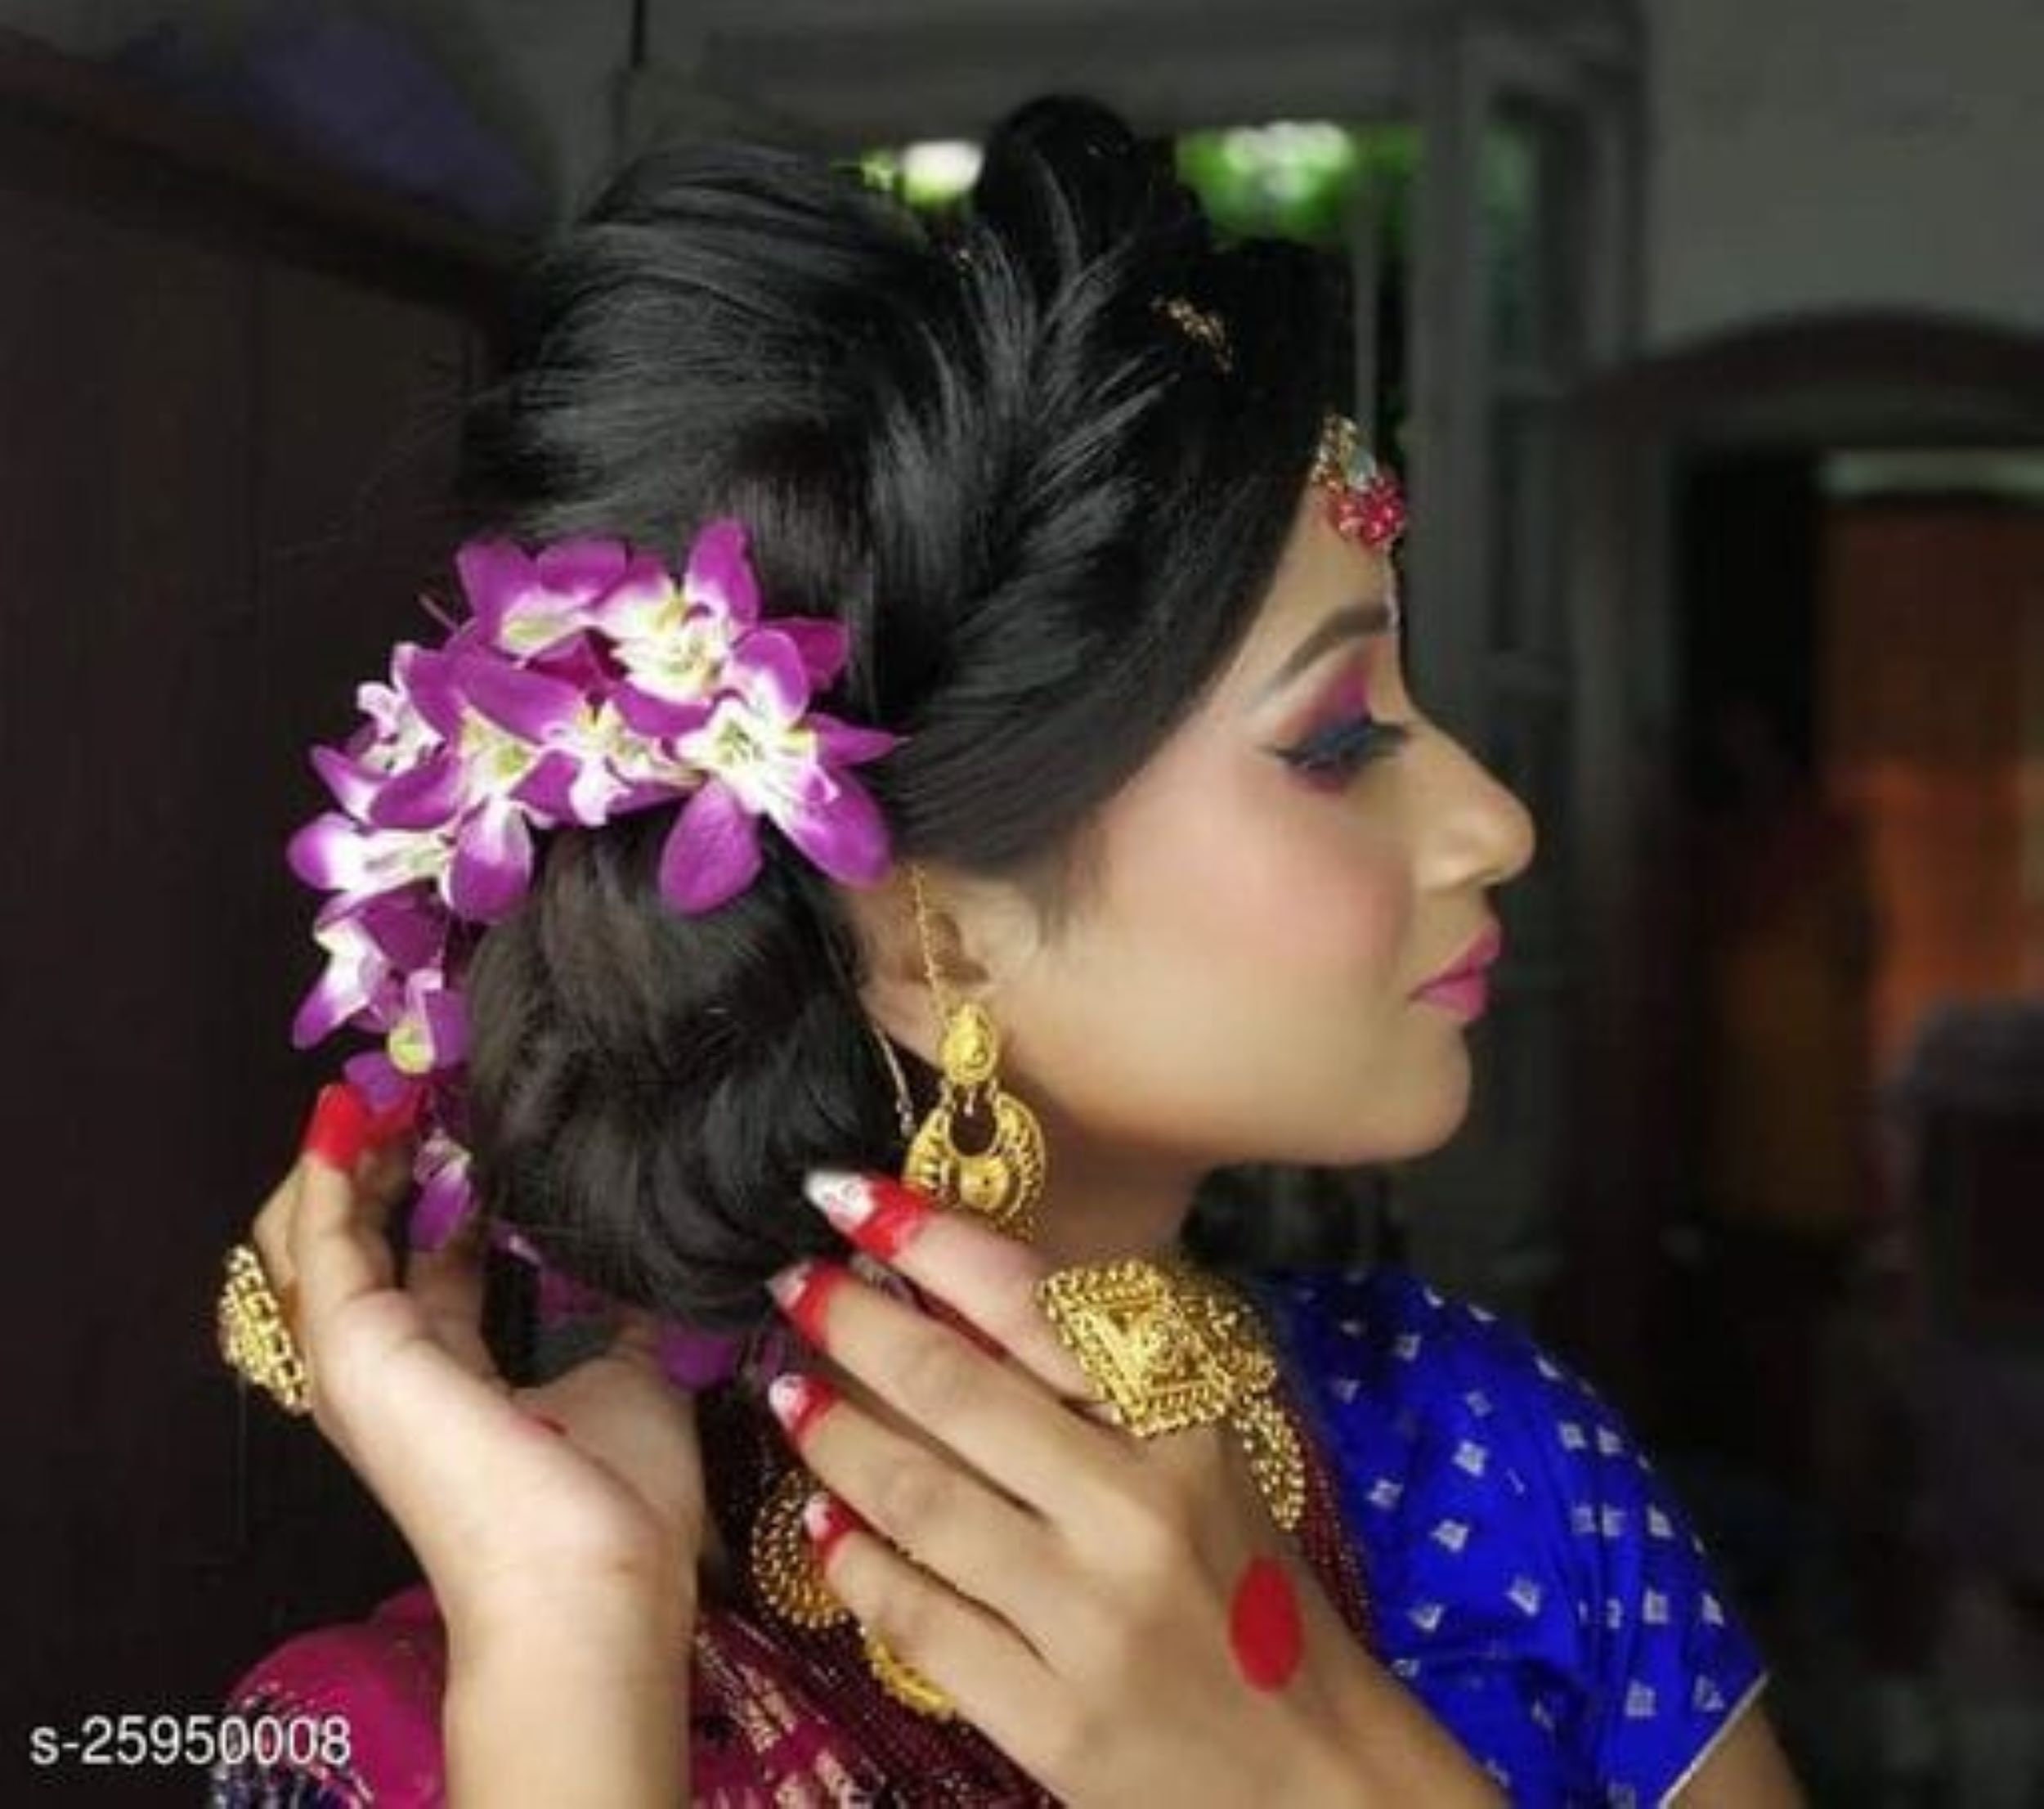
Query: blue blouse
{"points": [[1531, 1580]]}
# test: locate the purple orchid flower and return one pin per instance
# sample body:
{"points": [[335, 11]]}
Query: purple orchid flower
{"points": [[446, 1195], [675, 645], [764, 753], [530, 606], [585, 683], [431, 1030], [371, 946]]}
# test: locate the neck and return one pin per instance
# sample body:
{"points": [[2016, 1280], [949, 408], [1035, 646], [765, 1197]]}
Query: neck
{"points": [[1102, 1205]]}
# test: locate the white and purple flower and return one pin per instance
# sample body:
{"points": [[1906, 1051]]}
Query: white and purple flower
{"points": [[585, 683]]}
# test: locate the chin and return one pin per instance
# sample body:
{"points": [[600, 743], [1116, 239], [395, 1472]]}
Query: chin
{"points": [[1418, 1127]]}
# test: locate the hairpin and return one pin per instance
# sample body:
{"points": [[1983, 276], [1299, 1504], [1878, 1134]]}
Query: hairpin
{"points": [[1200, 324]]}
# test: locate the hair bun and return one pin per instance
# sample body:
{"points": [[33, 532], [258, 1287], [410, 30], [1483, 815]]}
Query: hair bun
{"points": [[1064, 178]]}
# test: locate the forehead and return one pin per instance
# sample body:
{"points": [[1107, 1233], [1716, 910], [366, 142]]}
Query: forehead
{"points": [[1319, 572]]}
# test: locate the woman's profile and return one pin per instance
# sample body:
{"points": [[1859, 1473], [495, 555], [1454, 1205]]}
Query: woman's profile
{"points": [[923, 776]]}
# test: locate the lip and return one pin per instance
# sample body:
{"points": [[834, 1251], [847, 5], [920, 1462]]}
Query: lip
{"points": [[1466, 995], [1470, 967]]}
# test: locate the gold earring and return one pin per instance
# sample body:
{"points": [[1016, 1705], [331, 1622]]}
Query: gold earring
{"points": [[1002, 1182]]}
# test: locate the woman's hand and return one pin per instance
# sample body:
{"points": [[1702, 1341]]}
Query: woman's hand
{"points": [[578, 1504], [1122, 1616]]}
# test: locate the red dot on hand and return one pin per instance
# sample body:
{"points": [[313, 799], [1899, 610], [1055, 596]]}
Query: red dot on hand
{"points": [[1263, 1625]]}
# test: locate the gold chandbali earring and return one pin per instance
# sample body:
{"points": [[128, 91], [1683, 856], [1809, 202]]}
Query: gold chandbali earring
{"points": [[1000, 1182]]}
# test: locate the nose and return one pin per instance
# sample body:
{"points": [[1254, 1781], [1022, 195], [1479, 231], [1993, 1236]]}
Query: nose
{"points": [[1478, 831]]}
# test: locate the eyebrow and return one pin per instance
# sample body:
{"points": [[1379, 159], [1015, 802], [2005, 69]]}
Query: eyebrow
{"points": [[1351, 621]]}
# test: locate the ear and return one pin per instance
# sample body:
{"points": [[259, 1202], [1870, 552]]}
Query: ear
{"points": [[963, 915]]}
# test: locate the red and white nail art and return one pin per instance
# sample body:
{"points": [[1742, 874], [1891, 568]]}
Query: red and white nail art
{"points": [[878, 1213], [797, 1400], [827, 1519]]}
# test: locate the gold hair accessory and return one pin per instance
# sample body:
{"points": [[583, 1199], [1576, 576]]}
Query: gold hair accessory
{"points": [[1001, 1182], [1364, 501], [255, 1341], [1198, 323]]}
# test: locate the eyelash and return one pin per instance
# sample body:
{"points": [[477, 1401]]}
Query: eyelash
{"points": [[1343, 748]]}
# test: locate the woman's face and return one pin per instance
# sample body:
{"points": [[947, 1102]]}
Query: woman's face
{"points": [[1238, 984]]}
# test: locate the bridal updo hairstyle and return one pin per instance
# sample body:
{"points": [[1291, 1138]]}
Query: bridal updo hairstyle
{"points": [[1046, 516]]}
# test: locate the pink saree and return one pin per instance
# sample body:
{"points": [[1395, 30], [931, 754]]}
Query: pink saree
{"points": [[777, 1717]]}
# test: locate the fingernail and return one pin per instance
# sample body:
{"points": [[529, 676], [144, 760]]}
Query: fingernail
{"points": [[802, 1290], [878, 1213], [797, 1400], [827, 1519], [339, 1129]]}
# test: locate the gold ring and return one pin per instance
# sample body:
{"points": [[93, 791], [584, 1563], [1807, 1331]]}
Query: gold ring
{"points": [[255, 1341], [903, 1682], [1168, 1346], [1162, 1347]]}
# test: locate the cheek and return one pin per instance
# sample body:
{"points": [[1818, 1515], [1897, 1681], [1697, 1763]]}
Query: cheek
{"points": [[1249, 953], [1315, 892], [1344, 907], [1265, 884]]}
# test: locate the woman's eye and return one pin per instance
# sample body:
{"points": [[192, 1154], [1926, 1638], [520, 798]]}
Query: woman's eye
{"points": [[1346, 747]]}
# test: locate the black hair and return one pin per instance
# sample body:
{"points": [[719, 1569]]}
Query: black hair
{"points": [[1046, 514]]}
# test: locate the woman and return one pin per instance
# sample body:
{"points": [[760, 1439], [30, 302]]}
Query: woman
{"points": [[1148, 865]]}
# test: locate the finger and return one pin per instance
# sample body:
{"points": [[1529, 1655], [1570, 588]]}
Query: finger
{"points": [[986, 1545], [989, 1672], [448, 1283], [336, 1241], [419, 1426], [271, 1236], [1003, 1422], [339, 1125], [388, 1168], [988, 1279]]}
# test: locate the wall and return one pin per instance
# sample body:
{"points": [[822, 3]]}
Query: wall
{"points": [[1843, 153], [1831, 153], [539, 75]]}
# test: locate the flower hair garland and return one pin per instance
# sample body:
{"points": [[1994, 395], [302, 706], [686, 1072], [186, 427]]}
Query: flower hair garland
{"points": [[585, 683]]}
